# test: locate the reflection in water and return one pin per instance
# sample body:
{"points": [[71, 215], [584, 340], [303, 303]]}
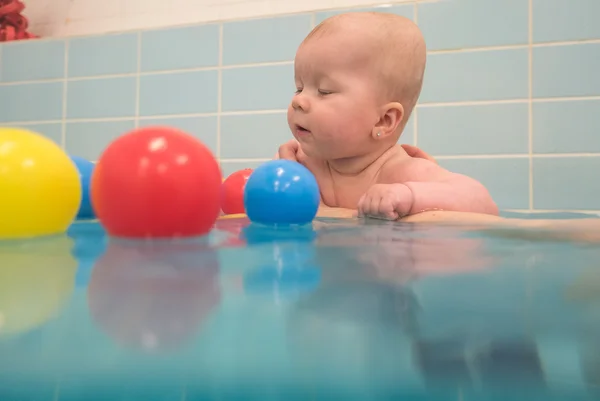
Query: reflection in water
{"points": [[36, 280], [90, 243], [434, 311], [291, 270], [337, 310], [154, 296], [402, 252]]}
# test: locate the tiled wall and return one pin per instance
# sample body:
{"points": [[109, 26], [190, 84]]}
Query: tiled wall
{"points": [[511, 96]]}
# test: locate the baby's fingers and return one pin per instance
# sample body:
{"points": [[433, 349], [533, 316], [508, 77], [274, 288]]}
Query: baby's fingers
{"points": [[387, 209], [361, 205]]}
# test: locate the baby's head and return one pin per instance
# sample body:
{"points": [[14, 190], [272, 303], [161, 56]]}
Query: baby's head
{"points": [[358, 77]]}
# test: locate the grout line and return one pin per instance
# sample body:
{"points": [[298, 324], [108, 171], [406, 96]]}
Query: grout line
{"points": [[530, 102], [415, 111], [63, 121], [313, 20], [145, 73], [474, 157], [508, 101], [476, 49], [37, 81], [161, 117], [517, 156], [255, 112], [416, 12], [219, 92], [154, 117], [24, 123], [565, 42], [98, 120], [1, 47], [471, 103], [565, 99], [563, 155], [243, 160], [137, 80], [541, 211]]}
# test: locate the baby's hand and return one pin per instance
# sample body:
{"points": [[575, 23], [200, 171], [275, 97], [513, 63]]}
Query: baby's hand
{"points": [[290, 151], [386, 201]]}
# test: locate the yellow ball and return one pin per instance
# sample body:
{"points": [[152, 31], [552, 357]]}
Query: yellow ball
{"points": [[37, 278], [40, 189]]}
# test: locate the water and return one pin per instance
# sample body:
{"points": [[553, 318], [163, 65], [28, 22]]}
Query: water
{"points": [[346, 309]]}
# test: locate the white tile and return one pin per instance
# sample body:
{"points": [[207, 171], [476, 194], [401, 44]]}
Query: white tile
{"points": [[93, 9], [92, 26], [185, 16], [283, 7], [140, 7], [43, 12], [247, 9], [83, 17]]}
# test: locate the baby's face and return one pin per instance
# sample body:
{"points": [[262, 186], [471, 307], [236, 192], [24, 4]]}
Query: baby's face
{"points": [[336, 106]]}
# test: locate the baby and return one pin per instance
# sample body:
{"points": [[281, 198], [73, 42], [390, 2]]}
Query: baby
{"points": [[358, 77]]}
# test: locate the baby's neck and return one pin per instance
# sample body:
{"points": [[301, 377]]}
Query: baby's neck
{"points": [[359, 165]]}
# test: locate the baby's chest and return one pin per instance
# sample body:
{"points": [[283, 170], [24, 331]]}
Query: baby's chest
{"points": [[343, 193]]}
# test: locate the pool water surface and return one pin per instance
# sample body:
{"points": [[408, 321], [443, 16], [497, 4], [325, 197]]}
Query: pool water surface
{"points": [[345, 309]]}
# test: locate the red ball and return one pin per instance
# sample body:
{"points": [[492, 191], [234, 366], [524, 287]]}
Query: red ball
{"points": [[156, 182], [233, 192], [154, 298]]}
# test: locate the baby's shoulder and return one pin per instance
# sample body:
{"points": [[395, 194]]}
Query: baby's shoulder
{"points": [[404, 168]]}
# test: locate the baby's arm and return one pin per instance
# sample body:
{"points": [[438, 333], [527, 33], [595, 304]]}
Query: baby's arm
{"points": [[419, 185]]}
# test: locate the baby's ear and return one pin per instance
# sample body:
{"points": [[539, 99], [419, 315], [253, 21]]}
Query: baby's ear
{"points": [[392, 116]]}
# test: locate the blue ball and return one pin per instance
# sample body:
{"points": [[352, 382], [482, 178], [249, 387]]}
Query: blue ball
{"points": [[86, 168], [281, 192]]}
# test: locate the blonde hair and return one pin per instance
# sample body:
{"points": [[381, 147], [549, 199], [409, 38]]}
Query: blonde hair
{"points": [[399, 51]]}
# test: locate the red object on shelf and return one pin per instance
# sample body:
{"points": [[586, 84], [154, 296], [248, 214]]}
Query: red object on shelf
{"points": [[13, 25], [233, 192]]}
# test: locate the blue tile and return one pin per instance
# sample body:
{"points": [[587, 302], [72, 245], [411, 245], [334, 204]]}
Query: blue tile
{"points": [[203, 128], [562, 127], [506, 179], [180, 48], [560, 20], [566, 183], [230, 167], [179, 93], [477, 75], [103, 55], [45, 60], [258, 88], [474, 23], [566, 70], [101, 98], [471, 130], [253, 136], [89, 139], [408, 135], [51, 131], [43, 100], [405, 10], [264, 40]]}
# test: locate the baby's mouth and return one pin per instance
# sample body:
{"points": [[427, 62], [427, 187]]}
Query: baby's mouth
{"points": [[300, 129]]}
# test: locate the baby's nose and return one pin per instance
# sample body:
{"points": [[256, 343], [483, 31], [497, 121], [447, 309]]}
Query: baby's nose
{"points": [[300, 103]]}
